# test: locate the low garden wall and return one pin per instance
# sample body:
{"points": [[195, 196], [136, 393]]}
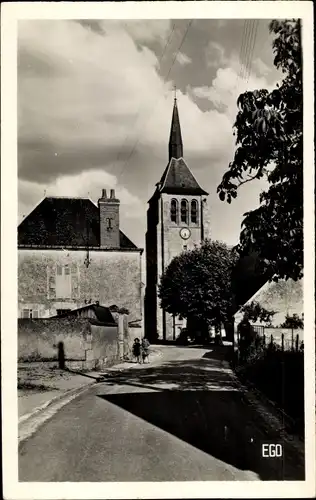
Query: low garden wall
{"points": [[84, 345]]}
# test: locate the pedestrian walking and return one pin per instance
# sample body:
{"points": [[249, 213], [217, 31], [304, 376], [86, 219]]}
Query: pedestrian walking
{"points": [[145, 350], [137, 350]]}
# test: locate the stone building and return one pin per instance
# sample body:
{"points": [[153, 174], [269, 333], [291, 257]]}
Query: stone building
{"points": [[71, 253], [176, 221]]}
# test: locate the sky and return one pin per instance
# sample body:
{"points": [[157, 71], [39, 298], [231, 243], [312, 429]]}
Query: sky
{"points": [[95, 101]]}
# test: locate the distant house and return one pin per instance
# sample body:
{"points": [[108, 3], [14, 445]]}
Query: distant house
{"points": [[72, 252], [285, 297], [99, 314]]}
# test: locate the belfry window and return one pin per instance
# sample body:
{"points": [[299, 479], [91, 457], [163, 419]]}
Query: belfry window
{"points": [[174, 211], [194, 212], [184, 211]]}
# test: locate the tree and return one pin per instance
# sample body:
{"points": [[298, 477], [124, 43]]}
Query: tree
{"points": [[294, 322], [197, 284], [254, 312], [269, 128]]}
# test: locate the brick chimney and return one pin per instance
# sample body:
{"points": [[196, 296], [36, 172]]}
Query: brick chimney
{"points": [[109, 212]]}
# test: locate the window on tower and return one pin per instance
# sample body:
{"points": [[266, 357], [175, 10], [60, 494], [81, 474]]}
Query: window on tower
{"points": [[194, 211], [174, 211], [184, 211]]}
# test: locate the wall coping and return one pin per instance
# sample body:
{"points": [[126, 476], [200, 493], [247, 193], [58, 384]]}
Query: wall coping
{"points": [[77, 247]]}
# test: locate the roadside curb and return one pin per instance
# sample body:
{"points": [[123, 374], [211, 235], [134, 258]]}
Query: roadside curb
{"points": [[120, 367], [26, 420], [30, 422], [65, 394]]}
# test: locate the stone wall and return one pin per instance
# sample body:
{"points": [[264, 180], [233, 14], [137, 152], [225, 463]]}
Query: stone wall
{"points": [[86, 346], [104, 345], [173, 243], [113, 277]]}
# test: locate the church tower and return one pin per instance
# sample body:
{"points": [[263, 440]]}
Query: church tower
{"points": [[175, 223]]}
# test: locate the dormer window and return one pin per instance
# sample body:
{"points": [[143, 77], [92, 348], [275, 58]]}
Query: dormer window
{"points": [[174, 211], [194, 212], [184, 211]]}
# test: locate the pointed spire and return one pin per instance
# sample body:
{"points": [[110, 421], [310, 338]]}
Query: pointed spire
{"points": [[175, 141]]}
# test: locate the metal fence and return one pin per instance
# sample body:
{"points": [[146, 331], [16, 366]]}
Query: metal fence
{"points": [[287, 339], [259, 329]]}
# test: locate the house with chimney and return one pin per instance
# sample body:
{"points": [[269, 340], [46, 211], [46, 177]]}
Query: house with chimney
{"points": [[72, 252]]}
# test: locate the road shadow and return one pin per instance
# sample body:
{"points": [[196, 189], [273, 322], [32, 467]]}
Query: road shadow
{"points": [[200, 403]]}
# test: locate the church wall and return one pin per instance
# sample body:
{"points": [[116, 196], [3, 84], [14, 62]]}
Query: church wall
{"points": [[174, 244], [113, 277], [207, 214]]}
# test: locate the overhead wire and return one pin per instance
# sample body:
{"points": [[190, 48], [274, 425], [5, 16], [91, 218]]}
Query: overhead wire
{"points": [[241, 52], [247, 49], [154, 107], [251, 51], [139, 107]]}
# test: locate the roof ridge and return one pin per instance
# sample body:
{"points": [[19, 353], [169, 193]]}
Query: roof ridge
{"points": [[167, 171], [69, 197], [37, 205]]}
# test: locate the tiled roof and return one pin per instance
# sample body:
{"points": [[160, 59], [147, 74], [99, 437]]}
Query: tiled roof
{"points": [[58, 221], [178, 179], [102, 313]]}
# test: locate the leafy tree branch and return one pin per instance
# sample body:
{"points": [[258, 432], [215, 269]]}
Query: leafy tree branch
{"points": [[269, 140]]}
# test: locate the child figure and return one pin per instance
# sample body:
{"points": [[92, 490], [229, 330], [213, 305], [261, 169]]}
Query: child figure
{"points": [[137, 349], [145, 349]]}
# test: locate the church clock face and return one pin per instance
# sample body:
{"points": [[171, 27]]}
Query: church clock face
{"points": [[185, 233]]}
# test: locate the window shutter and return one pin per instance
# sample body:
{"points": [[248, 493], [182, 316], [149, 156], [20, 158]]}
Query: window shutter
{"points": [[51, 282], [75, 282]]}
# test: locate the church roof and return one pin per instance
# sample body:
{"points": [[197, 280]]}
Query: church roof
{"points": [[175, 140], [62, 222], [178, 179]]}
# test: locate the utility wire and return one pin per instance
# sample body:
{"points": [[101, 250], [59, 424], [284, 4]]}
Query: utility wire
{"points": [[242, 50], [249, 64], [247, 53], [243, 53], [247, 48], [139, 107], [151, 113]]}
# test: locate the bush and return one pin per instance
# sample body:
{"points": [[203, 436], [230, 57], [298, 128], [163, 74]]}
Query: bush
{"points": [[280, 376]]}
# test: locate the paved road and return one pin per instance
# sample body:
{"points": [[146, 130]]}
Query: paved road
{"points": [[180, 418]]}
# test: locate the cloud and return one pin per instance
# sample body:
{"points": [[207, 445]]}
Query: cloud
{"points": [[215, 55], [87, 99], [139, 30], [87, 184], [227, 86], [260, 67], [94, 111], [183, 59]]}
